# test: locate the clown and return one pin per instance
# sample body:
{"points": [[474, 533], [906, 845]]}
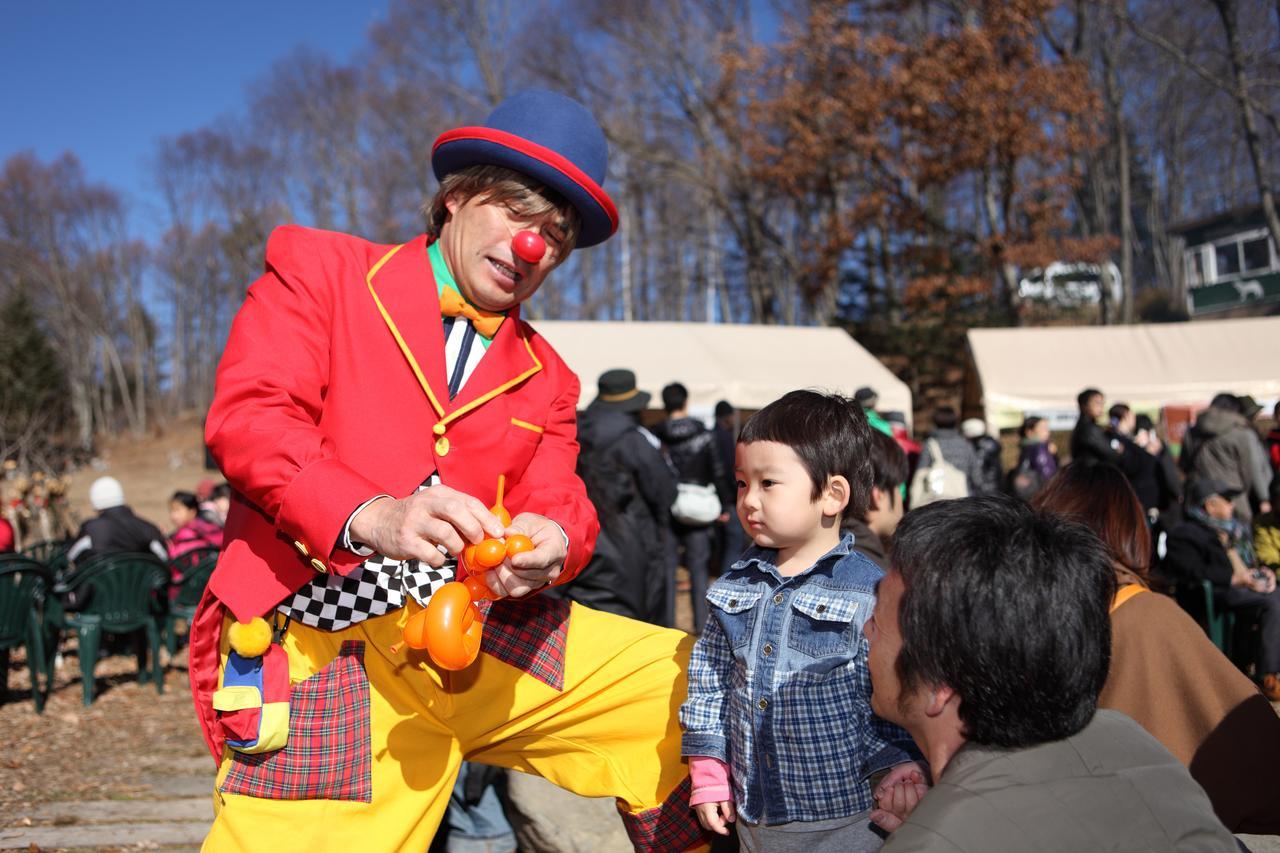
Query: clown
{"points": [[367, 403]]}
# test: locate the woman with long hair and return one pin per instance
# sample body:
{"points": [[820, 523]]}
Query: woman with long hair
{"points": [[1165, 673]]}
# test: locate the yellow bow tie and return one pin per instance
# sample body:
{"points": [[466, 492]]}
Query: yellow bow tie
{"points": [[453, 305]]}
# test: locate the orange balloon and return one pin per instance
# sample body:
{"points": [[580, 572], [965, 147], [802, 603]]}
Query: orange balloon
{"points": [[415, 631], [518, 544], [454, 627], [502, 514], [478, 588], [490, 553], [469, 559]]}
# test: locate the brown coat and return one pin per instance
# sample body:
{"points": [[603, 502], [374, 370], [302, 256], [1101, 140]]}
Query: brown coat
{"points": [[1167, 675]]}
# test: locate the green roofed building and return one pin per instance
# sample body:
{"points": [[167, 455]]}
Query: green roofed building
{"points": [[1230, 262]]}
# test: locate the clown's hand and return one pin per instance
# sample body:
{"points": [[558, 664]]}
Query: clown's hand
{"points": [[412, 528], [530, 570]]}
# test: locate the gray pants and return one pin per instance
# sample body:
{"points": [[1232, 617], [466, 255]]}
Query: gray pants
{"points": [[841, 835]]}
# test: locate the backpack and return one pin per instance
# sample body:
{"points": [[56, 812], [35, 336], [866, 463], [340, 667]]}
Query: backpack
{"points": [[940, 481]]}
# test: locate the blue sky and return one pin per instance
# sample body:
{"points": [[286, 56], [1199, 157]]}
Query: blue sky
{"points": [[107, 79]]}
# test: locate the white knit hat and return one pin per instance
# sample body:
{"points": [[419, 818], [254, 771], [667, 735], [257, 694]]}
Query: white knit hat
{"points": [[973, 427], [106, 493]]}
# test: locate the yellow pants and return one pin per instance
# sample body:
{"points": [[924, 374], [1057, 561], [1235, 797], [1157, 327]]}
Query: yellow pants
{"points": [[612, 731]]}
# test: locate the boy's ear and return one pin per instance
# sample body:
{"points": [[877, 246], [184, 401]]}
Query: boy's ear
{"points": [[835, 497]]}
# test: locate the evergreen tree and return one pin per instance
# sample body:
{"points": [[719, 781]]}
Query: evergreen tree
{"points": [[33, 386]]}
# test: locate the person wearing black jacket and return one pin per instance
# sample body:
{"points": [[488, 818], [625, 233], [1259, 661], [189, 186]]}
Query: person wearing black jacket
{"points": [[115, 529], [1210, 544], [632, 488], [1088, 440], [692, 450]]}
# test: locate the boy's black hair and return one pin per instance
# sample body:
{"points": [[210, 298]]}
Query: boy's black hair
{"points": [[1083, 398], [1009, 608], [945, 417], [829, 433], [187, 499], [1227, 402], [222, 490], [674, 396], [888, 466], [1117, 412]]}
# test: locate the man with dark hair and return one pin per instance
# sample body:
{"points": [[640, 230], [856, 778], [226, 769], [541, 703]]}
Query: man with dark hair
{"points": [[703, 494], [990, 642], [1089, 441], [726, 439], [873, 528]]}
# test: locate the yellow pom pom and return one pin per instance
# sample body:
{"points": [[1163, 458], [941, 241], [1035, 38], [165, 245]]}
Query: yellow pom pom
{"points": [[249, 640]]}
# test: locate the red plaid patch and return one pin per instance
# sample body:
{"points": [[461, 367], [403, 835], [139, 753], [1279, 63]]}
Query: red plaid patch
{"points": [[529, 634], [669, 827], [328, 756]]}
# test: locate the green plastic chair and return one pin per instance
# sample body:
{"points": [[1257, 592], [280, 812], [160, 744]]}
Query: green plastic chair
{"points": [[189, 574], [121, 594], [22, 590], [1196, 598]]}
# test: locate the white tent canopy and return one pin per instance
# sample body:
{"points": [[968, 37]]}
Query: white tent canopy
{"points": [[1041, 370], [749, 366]]}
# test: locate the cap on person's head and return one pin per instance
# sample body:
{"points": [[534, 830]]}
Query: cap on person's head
{"points": [[204, 489], [866, 397], [724, 409], [106, 493], [1249, 406], [973, 428], [552, 139], [1206, 487], [616, 389]]}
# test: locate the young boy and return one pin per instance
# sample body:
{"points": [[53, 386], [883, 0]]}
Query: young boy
{"points": [[778, 725]]}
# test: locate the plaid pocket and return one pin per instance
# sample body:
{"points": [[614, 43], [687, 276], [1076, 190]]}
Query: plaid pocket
{"points": [[328, 756], [528, 634]]}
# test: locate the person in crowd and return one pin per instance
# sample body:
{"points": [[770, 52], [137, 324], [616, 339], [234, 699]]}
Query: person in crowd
{"points": [[1037, 458], [898, 429], [1004, 708], [370, 403], [115, 528], [1266, 532], [947, 462], [6, 536], [215, 508], [874, 528], [778, 727], [988, 473], [703, 487], [868, 398], [191, 530], [1222, 448], [1260, 496], [1273, 445], [726, 437], [1211, 544], [1168, 505], [1089, 441], [1165, 673], [1139, 466], [632, 489]]}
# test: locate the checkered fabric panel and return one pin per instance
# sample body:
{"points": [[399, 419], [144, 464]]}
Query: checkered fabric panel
{"points": [[670, 827], [328, 756], [529, 635], [332, 602]]}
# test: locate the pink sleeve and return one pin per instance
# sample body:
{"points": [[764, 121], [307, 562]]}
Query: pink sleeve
{"points": [[710, 777]]}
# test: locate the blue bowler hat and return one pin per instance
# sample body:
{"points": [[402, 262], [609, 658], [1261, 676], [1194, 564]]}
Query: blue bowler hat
{"points": [[549, 137]]}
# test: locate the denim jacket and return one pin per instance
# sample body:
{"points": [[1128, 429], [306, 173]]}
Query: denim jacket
{"points": [[779, 688]]}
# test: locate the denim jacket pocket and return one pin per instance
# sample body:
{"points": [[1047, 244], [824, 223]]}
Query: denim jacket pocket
{"points": [[735, 610], [823, 623]]}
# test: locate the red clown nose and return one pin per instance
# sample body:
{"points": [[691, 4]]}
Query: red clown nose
{"points": [[528, 246]]}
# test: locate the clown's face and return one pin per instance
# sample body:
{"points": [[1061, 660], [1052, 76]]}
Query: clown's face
{"points": [[476, 243]]}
